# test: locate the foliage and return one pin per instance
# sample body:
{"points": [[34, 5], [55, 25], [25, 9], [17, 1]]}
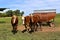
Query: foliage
{"points": [[17, 12], [9, 13], [3, 14], [22, 13]]}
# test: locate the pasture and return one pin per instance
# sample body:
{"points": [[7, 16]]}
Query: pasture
{"points": [[6, 34]]}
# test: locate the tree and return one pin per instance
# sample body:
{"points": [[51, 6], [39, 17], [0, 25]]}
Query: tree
{"points": [[2, 14], [9, 13], [22, 13], [17, 12]]}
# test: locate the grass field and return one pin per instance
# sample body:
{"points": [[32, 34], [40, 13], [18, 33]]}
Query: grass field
{"points": [[6, 34]]}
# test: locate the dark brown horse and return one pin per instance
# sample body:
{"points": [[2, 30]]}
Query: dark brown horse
{"points": [[14, 22]]}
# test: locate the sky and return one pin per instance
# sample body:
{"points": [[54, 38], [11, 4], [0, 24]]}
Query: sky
{"points": [[28, 6]]}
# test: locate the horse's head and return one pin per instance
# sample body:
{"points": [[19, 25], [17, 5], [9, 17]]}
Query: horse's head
{"points": [[31, 15], [23, 17], [14, 18]]}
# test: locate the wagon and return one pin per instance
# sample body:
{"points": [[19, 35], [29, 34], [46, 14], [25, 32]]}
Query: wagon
{"points": [[47, 16]]}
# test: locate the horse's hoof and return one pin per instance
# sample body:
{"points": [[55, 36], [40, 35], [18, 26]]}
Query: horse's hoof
{"points": [[30, 32], [24, 31]]}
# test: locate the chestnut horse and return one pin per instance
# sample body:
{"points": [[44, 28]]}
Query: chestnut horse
{"points": [[14, 22], [35, 20], [26, 22]]}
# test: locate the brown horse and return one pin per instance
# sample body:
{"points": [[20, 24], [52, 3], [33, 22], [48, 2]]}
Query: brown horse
{"points": [[46, 17], [14, 22], [35, 19], [26, 22], [42, 17]]}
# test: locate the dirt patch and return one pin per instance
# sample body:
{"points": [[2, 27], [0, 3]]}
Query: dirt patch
{"points": [[21, 27], [44, 29]]}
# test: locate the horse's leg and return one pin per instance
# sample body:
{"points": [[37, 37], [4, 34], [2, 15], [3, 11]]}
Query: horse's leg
{"points": [[49, 24], [32, 27], [40, 26], [16, 27], [13, 28], [25, 26], [29, 27], [36, 27]]}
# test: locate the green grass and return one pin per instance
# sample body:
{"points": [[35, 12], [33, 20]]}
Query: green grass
{"points": [[6, 34], [57, 20]]}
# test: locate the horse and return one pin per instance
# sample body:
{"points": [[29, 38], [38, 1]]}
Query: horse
{"points": [[42, 17], [26, 22], [14, 22], [46, 17], [35, 20]]}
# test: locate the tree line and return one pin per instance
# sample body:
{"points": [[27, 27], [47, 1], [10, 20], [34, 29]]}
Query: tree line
{"points": [[9, 13]]}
